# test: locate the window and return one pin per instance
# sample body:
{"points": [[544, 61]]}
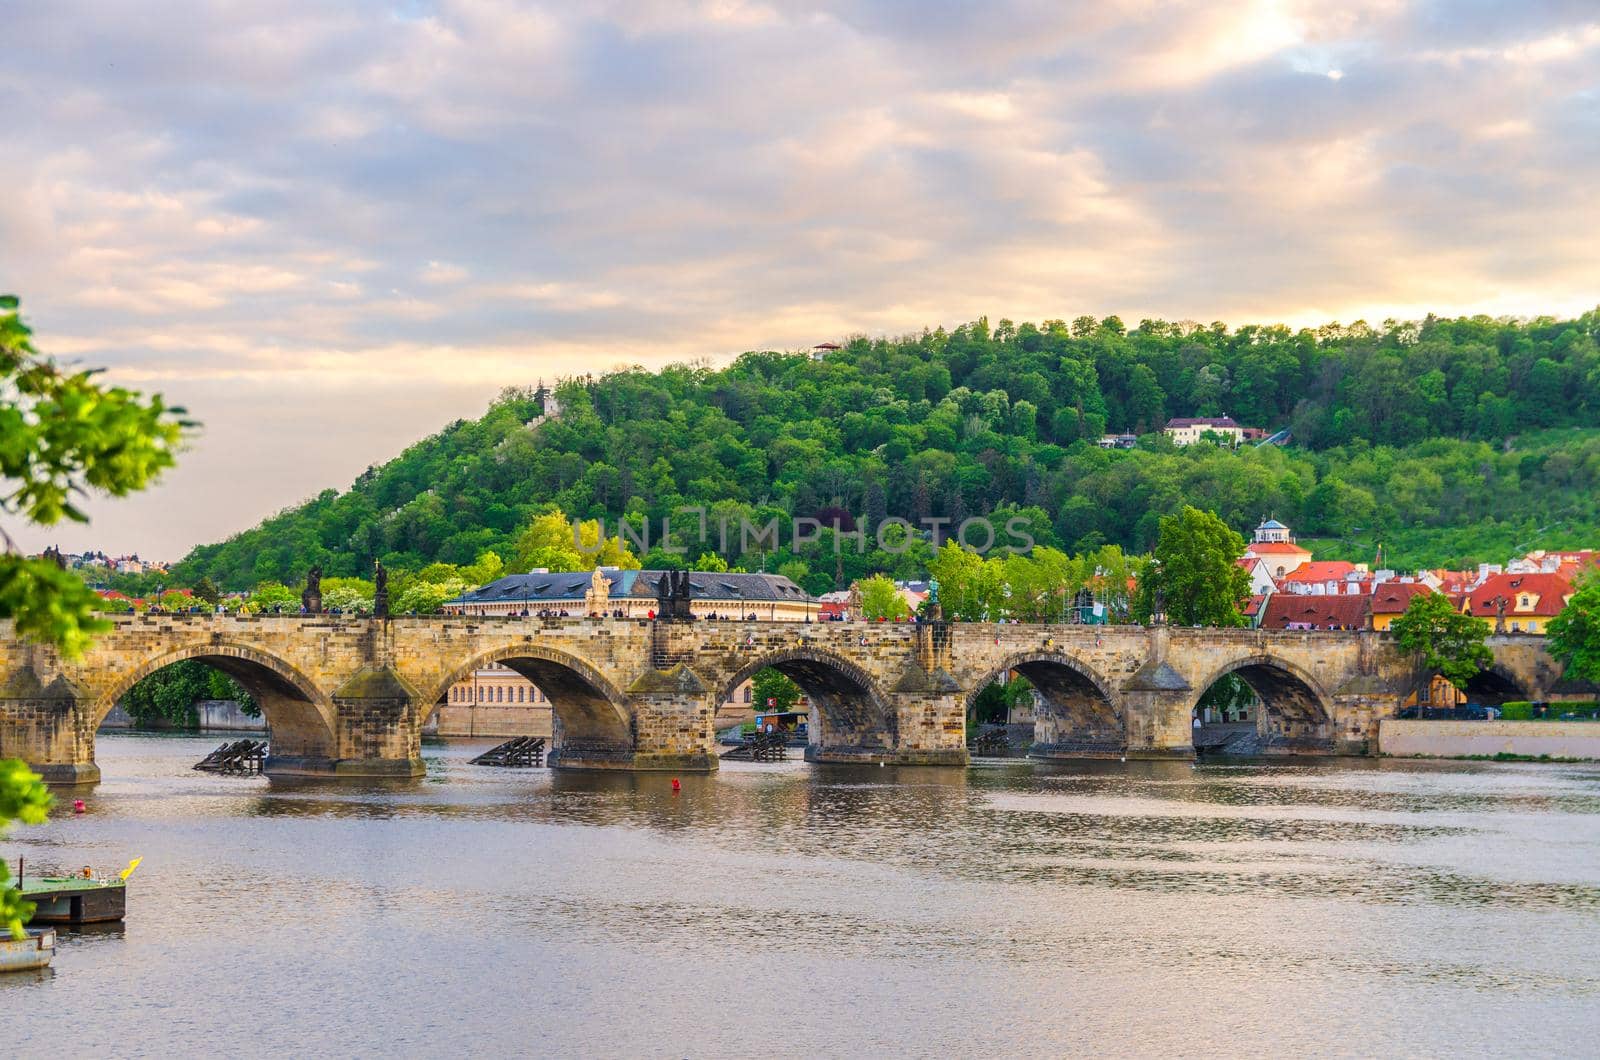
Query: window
{"points": [[520, 693], [749, 690], [1516, 627], [482, 692]]}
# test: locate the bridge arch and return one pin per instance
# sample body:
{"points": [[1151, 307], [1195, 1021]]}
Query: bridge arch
{"points": [[301, 715], [1295, 714], [1077, 714], [851, 714], [591, 714]]}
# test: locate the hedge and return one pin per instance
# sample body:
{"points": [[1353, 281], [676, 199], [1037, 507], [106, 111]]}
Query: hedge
{"points": [[1522, 710]]}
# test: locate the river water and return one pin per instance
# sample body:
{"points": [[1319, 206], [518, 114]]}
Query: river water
{"points": [[1337, 908]]}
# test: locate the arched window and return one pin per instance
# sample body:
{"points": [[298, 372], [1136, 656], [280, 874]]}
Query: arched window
{"points": [[482, 692]]}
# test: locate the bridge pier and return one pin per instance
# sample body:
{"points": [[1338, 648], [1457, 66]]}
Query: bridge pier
{"points": [[674, 729], [1159, 725], [1157, 702], [45, 726], [378, 732]]}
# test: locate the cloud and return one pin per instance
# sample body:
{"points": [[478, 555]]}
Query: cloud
{"points": [[441, 198]]}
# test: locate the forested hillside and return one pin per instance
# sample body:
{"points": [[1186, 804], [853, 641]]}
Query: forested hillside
{"points": [[1448, 440]]}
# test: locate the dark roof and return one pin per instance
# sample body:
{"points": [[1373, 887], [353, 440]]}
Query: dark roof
{"points": [[632, 584], [1319, 612]]}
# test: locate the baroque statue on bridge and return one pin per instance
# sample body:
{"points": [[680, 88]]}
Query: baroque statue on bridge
{"points": [[598, 598], [380, 590], [311, 599]]}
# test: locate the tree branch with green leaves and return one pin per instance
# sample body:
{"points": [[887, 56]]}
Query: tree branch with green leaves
{"points": [[1574, 635], [1443, 640], [63, 436]]}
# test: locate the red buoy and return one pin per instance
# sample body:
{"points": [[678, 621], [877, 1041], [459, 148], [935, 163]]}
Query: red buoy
{"points": [[77, 806], [675, 784]]}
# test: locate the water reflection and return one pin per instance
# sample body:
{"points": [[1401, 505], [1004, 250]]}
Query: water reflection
{"points": [[1010, 907]]}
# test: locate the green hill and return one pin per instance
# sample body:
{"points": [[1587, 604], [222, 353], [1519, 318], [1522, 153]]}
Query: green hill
{"points": [[1448, 440]]}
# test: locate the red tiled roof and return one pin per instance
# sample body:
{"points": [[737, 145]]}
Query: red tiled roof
{"points": [[1318, 612], [1326, 570], [1275, 548], [1551, 589], [1252, 606], [1392, 598]]}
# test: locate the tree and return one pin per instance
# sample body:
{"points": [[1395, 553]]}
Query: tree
{"points": [[881, 599], [969, 585], [170, 694], [205, 590], [1228, 693], [23, 797], [346, 594], [269, 595], [428, 597], [995, 701], [710, 562], [772, 691], [547, 543], [552, 542], [1574, 634], [61, 436], [1445, 641], [1194, 569]]}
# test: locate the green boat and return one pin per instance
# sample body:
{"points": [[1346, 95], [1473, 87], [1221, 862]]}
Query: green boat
{"points": [[75, 899]]}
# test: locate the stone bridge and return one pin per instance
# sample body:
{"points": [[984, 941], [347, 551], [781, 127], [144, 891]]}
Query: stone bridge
{"points": [[349, 696]]}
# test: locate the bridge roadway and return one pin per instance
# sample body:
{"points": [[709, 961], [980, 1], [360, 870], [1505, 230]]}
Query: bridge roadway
{"points": [[349, 696]]}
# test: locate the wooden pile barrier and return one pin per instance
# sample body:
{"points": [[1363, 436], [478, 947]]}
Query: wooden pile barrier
{"points": [[992, 742], [239, 758], [760, 747], [521, 752]]}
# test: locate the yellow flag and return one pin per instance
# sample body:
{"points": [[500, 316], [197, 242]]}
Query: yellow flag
{"points": [[131, 866]]}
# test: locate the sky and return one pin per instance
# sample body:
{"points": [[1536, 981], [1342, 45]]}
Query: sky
{"points": [[327, 230]]}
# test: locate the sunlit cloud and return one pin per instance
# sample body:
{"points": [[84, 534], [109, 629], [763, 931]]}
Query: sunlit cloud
{"points": [[271, 209]]}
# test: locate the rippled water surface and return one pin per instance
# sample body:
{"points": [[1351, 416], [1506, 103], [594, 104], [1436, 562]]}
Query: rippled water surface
{"points": [[1337, 908]]}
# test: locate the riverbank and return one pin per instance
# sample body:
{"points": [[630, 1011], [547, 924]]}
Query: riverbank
{"points": [[213, 715], [1501, 740]]}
